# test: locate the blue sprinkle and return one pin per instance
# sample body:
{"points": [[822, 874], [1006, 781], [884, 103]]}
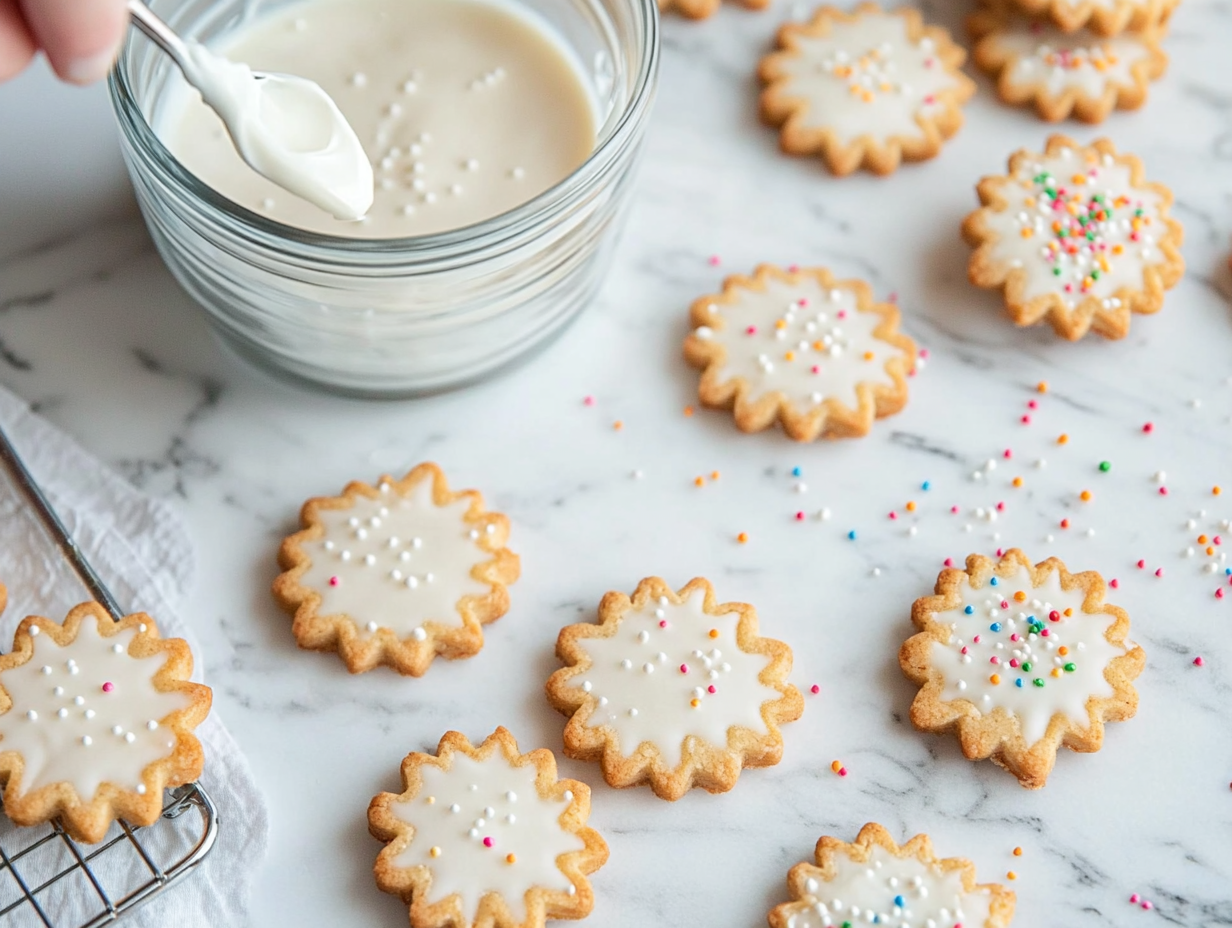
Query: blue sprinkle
{"points": [[796, 472], [1228, 571], [926, 485], [995, 627], [900, 901], [852, 534], [1018, 683], [993, 581], [969, 610]]}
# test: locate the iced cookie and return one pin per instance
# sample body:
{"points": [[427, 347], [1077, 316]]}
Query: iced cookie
{"points": [[486, 837], [799, 347], [874, 881], [397, 573], [1020, 660], [96, 720], [868, 89], [701, 9], [673, 689], [1065, 73], [1075, 237], [1103, 17]]}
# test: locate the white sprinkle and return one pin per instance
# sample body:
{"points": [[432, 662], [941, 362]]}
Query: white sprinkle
{"points": [[409, 87], [59, 691], [140, 789], [372, 626], [345, 555], [369, 559], [455, 808], [79, 700], [359, 79], [32, 715], [419, 634], [511, 796], [638, 474], [517, 173], [490, 528], [472, 164], [412, 582], [395, 574], [648, 667], [1160, 476], [45, 669], [87, 740], [35, 631], [404, 556], [430, 577], [632, 713], [117, 730], [90, 713], [151, 725], [824, 515]]}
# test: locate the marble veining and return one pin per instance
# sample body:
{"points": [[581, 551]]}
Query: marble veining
{"points": [[96, 335]]}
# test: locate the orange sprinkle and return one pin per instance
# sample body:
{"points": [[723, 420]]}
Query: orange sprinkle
{"points": [[688, 410], [910, 507], [695, 703], [1201, 539], [1020, 596], [699, 481], [1026, 232], [1215, 491], [781, 324], [618, 425], [789, 356], [714, 633], [1068, 612], [1017, 481], [511, 858], [1011, 875], [1210, 550], [714, 475], [995, 679], [868, 356], [1017, 852], [1041, 387], [867, 96], [1062, 439], [836, 766], [1063, 650], [742, 537], [1079, 179], [819, 345], [1056, 671], [1085, 496]]}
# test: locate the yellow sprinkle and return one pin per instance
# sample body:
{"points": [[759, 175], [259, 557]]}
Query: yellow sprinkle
{"points": [[1056, 671], [781, 324], [435, 852], [430, 799]]}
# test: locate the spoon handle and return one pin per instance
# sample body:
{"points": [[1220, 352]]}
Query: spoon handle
{"points": [[158, 31]]}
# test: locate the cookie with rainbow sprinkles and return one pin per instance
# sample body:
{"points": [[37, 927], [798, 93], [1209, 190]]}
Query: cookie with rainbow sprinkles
{"points": [[1076, 237], [1019, 660]]}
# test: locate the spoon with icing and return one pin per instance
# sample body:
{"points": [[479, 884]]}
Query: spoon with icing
{"points": [[286, 128]]}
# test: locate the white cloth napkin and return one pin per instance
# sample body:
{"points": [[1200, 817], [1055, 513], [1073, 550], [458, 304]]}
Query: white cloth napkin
{"points": [[140, 549]]}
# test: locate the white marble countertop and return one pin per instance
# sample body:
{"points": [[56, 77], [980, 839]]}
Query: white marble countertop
{"points": [[96, 335]]}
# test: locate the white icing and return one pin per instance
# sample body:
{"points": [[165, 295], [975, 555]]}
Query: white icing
{"points": [[866, 77], [895, 892], [645, 695], [67, 729], [1121, 247], [1067, 655], [802, 339], [396, 561], [1062, 61], [456, 809]]}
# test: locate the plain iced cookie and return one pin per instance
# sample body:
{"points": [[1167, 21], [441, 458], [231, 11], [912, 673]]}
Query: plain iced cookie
{"points": [[486, 836], [873, 880], [396, 573], [1020, 660], [1075, 237], [1103, 17], [867, 89], [673, 689], [1062, 74], [96, 720], [815, 354]]}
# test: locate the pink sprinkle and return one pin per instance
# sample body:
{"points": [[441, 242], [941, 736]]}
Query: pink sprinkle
{"points": [[1008, 454], [1026, 420], [976, 639], [1219, 593], [994, 660], [487, 842], [1141, 564], [711, 689], [1001, 507], [662, 623], [1015, 637], [1148, 904], [333, 581], [588, 401], [751, 330], [842, 314], [954, 510], [1114, 583], [799, 516], [684, 668], [816, 369], [924, 353], [893, 515], [1032, 404], [842, 771], [803, 301], [893, 297], [1163, 491], [1004, 603], [949, 562], [1160, 572], [793, 268], [108, 687], [1198, 662], [1013, 662], [1135, 898], [713, 260], [814, 689], [1045, 632], [964, 650], [1149, 428], [1217, 540]]}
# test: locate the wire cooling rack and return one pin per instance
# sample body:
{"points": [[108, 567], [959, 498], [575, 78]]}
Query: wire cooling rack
{"points": [[48, 879]]}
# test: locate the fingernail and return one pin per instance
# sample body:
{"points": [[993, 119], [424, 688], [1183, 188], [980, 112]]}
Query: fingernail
{"points": [[91, 68]]}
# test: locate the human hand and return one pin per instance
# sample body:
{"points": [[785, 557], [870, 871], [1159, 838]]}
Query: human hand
{"points": [[79, 37]]}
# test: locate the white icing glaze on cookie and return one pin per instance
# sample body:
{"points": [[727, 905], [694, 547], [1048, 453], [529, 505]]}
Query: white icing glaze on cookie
{"points": [[1059, 61], [894, 892], [396, 561], [663, 677], [866, 77], [470, 818], [1077, 227], [804, 340], [1044, 653], [87, 713]]}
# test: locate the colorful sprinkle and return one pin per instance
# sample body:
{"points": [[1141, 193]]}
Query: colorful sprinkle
{"points": [[1105, 466], [814, 689], [108, 687], [742, 537]]}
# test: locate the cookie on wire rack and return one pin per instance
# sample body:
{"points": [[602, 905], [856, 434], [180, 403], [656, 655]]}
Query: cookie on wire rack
{"points": [[486, 836], [1020, 660], [396, 573], [96, 720]]}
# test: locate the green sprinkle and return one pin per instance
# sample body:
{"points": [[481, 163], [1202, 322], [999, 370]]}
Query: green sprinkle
{"points": [[1026, 666], [1070, 668], [1094, 274], [1038, 682], [1056, 272], [1105, 466]]}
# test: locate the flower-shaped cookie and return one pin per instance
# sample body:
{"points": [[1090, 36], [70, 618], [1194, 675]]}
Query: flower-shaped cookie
{"points": [[1063, 73], [96, 720], [486, 837], [397, 573], [816, 354], [866, 89], [1103, 17], [701, 9], [673, 689], [873, 880], [1075, 237], [1020, 660]]}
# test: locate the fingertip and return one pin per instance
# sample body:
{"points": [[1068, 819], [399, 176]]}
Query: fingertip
{"points": [[17, 48], [81, 38]]}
